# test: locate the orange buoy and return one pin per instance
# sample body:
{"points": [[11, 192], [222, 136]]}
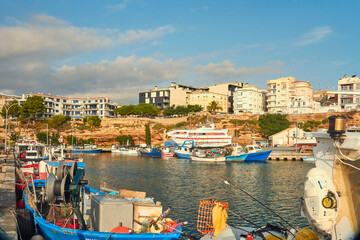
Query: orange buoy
{"points": [[121, 229]]}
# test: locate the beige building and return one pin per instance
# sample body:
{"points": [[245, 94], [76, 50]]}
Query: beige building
{"points": [[77, 107], [227, 89], [175, 95], [302, 98], [249, 99], [287, 137], [285, 95], [204, 98], [6, 98]]}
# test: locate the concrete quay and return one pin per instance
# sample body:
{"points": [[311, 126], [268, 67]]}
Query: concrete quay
{"points": [[288, 154], [7, 196]]}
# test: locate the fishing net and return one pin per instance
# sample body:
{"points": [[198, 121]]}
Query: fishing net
{"points": [[205, 215]]}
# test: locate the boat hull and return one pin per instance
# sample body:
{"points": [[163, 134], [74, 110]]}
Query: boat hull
{"points": [[249, 157], [208, 159], [50, 231], [86, 150], [150, 154], [182, 155]]}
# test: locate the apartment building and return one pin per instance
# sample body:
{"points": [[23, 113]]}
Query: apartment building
{"points": [[349, 95], [77, 107], [227, 89], [6, 98], [204, 98], [302, 99], [279, 94], [285, 95], [249, 99], [175, 95]]}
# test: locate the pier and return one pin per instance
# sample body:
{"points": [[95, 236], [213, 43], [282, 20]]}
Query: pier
{"points": [[7, 196], [288, 155]]}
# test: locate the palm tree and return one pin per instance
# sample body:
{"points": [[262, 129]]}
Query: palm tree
{"points": [[213, 106]]}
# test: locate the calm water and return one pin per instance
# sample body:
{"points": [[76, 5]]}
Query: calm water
{"points": [[182, 183]]}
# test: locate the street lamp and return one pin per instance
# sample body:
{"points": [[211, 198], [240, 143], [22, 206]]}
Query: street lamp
{"points": [[6, 113]]}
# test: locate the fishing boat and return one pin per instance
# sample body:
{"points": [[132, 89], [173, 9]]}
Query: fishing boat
{"points": [[184, 151], [153, 152], [167, 152], [70, 209], [251, 153], [208, 155], [88, 148], [205, 135], [30, 150]]}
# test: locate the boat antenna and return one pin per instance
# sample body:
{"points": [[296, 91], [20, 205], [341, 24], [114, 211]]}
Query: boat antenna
{"points": [[227, 182]]}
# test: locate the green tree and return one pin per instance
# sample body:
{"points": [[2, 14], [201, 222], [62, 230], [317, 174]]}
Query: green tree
{"points": [[213, 106], [59, 122], [41, 137], [145, 109], [93, 121], [273, 123], [14, 111], [72, 140], [194, 108], [32, 107], [147, 134], [124, 139], [169, 111]]}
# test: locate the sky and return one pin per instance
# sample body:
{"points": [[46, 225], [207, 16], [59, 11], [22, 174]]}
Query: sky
{"points": [[117, 48]]}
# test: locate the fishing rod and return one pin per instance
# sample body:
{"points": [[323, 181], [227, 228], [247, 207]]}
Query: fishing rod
{"points": [[237, 187]]}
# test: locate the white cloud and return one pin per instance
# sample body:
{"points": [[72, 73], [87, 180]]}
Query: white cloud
{"points": [[46, 37], [226, 69], [315, 35], [132, 36], [120, 79]]}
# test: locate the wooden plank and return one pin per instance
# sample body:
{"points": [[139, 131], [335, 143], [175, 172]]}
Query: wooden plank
{"points": [[132, 194]]}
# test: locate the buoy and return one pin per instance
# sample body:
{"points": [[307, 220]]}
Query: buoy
{"points": [[121, 229], [249, 237]]}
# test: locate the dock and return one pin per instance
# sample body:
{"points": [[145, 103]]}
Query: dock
{"points": [[7, 195], [288, 155]]}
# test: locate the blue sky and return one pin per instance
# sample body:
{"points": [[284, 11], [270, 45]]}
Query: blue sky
{"points": [[118, 48]]}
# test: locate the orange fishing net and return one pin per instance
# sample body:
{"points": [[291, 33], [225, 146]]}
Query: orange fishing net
{"points": [[205, 219]]}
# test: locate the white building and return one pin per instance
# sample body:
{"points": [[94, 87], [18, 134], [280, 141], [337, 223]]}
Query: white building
{"points": [[76, 107], [349, 92], [249, 99]]}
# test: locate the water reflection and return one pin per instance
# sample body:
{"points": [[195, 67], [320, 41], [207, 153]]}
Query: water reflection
{"points": [[182, 183]]}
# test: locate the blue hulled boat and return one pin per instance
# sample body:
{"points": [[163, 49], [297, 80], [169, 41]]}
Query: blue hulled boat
{"points": [[185, 149], [251, 153], [87, 149], [154, 152], [51, 231]]}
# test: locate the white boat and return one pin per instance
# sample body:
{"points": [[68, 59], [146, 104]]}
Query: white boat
{"points": [[208, 155], [331, 200], [29, 150], [204, 136]]}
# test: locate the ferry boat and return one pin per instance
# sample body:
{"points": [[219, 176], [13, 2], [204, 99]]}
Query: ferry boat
{"points": [[204, 136]]}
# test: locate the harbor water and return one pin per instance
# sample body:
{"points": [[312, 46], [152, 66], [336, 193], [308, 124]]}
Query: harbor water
{"points": [[181, 184]]}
